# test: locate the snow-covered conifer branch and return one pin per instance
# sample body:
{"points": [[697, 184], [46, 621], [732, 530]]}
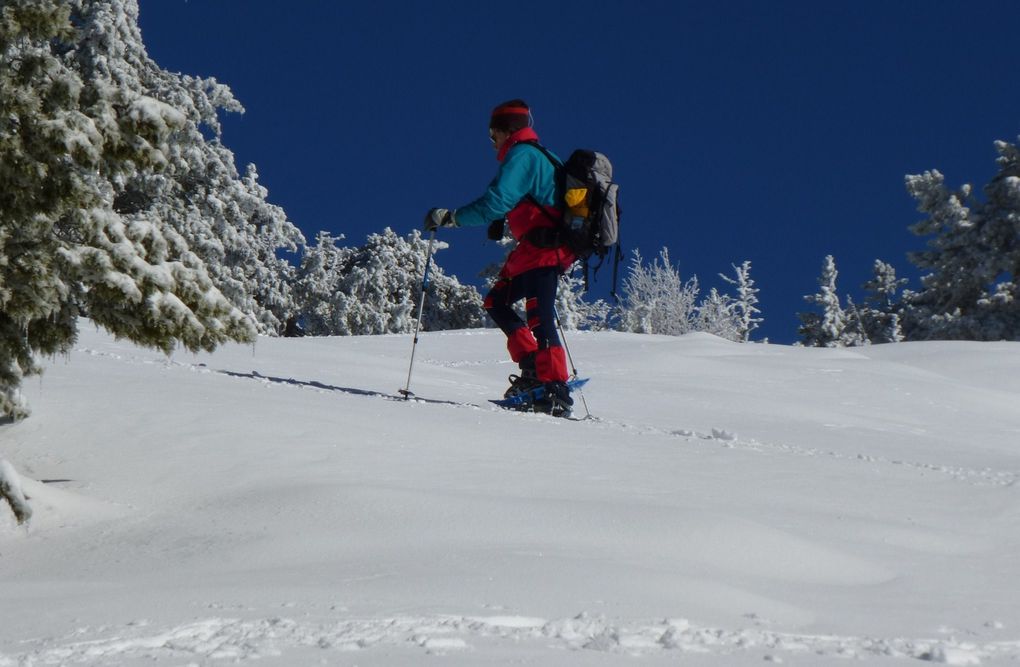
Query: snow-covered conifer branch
{"points": [[10, 490]]}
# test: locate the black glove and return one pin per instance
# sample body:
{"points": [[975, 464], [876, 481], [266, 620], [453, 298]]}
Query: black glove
{"points": [[439, 217], [496, 228]]}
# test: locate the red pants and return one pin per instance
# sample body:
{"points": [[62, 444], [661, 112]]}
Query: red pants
{"points": [[538, 335]]}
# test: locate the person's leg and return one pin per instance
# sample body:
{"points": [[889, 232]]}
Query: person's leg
{"points": [[540, 291], [499, 304]]}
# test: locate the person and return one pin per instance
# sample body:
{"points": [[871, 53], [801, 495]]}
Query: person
{"points": [[522, 195]]}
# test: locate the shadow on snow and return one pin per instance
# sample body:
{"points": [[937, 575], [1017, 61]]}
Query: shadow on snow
{"points": [[353, 391]]}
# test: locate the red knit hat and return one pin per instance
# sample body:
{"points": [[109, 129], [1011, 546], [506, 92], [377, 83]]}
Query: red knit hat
{"points": [[511, 116]]}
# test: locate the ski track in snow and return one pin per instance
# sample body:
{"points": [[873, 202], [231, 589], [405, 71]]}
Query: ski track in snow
{"points": [[239, 640], [973, 476]]}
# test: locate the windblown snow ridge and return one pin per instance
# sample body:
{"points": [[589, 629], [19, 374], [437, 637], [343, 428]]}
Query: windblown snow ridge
{"points": [[239, 640]]}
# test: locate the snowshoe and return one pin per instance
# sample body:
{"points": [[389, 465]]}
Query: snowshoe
{"points": [[558, 403]]}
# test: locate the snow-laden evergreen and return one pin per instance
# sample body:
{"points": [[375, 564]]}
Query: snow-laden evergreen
{"points": [[70, 139], [853, 325], [575, 310], [824, 329], [11, 491], [969, 286], [745, 306], [317, 282], [972, 263], [223, 216], [376, 288], [880, 316], [656, 300], [854, 332], [717, 315]]}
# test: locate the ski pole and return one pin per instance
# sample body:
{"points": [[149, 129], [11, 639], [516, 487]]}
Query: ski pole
{"points": [[406, 391], [570, 358]]}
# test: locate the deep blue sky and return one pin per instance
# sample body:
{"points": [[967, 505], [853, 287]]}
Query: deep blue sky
{"points": [[777, 132]]}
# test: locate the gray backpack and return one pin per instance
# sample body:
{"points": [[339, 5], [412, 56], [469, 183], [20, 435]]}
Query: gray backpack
{"points": [[588, 198]]}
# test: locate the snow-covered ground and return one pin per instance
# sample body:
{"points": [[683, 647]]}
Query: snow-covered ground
{"points": [[733, 504]]}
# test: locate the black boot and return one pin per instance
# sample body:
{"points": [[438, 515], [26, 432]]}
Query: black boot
{"points": [[556, 401], [526, 381]]}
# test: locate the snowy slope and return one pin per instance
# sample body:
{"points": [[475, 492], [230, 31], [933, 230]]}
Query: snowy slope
{"points": [[732, 504]]}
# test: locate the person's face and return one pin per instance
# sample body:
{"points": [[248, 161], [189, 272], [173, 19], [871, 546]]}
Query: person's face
{"points": [[498, 137]]}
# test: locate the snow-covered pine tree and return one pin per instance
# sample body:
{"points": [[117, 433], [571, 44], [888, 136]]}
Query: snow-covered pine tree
{"points": [[656, 300], [317, 282], [853, 334], [973, 257], [449, 304], [223, 216], [67, 143], [719, 316], [998, 309], [745, 305], [824, 329], [11, 491], [880, 316], [375, 288], [883, 286], [953, 285], [574, 311]]}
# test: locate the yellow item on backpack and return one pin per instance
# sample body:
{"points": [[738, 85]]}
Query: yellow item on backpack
{"points": [[577, 201]]}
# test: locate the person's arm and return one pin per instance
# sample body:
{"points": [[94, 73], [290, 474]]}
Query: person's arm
{"points": [[516, 178]]}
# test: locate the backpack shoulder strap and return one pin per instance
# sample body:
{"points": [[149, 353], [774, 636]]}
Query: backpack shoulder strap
{"points": [[557, 177], [545, 151]]}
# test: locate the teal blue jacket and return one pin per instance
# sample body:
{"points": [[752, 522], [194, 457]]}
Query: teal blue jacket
{"points": [[524, 170]]}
